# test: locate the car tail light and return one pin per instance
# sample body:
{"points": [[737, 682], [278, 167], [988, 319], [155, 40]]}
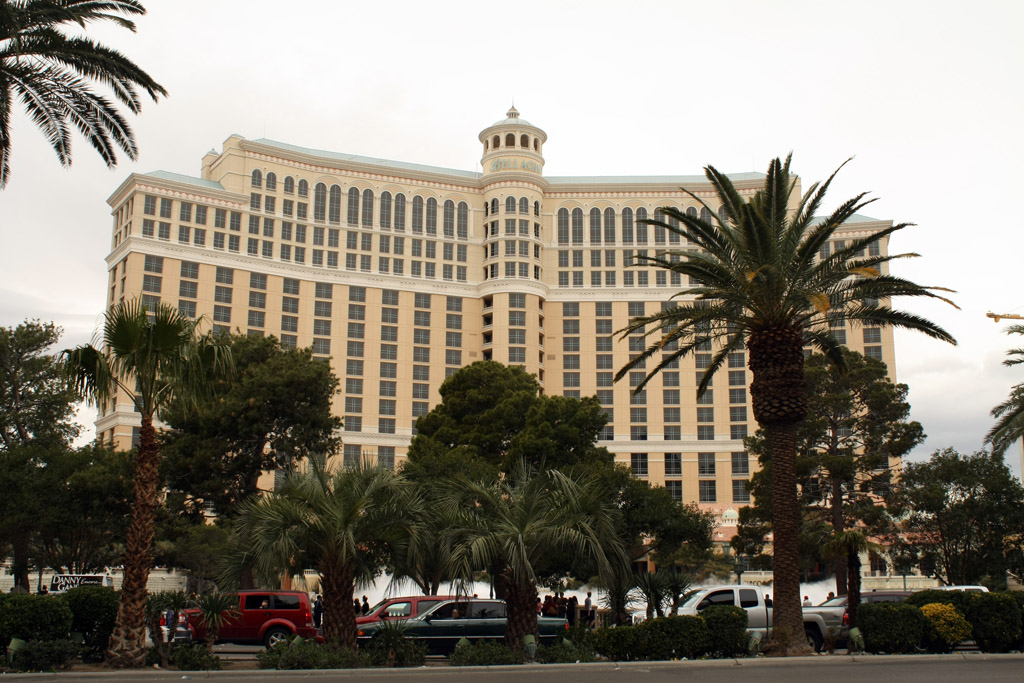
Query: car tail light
{"points": [[567, 626], [309, 619], [360, 633]]}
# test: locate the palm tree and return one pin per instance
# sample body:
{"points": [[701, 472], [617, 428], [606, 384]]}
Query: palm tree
{"points": [[653, 587], [51, 72], [1009, 414], [156, 358], [757, 281], [215, 610], [849, 544], [348, 525], [514, 524]]}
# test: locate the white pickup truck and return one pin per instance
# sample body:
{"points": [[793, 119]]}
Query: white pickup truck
{"points": [[817, 620]]}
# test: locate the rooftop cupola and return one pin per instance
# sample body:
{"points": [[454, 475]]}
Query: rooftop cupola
{"points": [[513, 146]]}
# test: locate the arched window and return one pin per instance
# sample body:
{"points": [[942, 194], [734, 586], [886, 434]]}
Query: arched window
{"points": [[641, 227], [510, 140], [400, 212], [320, 202], [271, 182], [334, 205], [723, 214], [536, 208], [431, 222], [577, 226], [257, 178], [494, 206], [462, 221], [563, 227], [536, 144], [627, 226], [705, 215], [303, 188], [385, 209], [524, 206], [673, 237], [496, 142], [510, 204], [487, 145], [595, 226], [449, 218], [524, 141], [353, 206], [609, 226], [659, 231], [289, 185], [417, 214], [367, 208]]}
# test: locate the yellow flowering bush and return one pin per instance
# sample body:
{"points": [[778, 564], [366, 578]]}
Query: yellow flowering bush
{"points": [[946, 627]]}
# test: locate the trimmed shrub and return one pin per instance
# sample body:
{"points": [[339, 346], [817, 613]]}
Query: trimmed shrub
{"points": [[995, 621], [727, 630], [957, 599], [674, 637], [891, 627], [1018, 597], [45, 655], [307, 654], [576, 646], [390, 647], [619, 644], [34, 617], [194, 657], [93, 612], [945, 628], [484, 653]]}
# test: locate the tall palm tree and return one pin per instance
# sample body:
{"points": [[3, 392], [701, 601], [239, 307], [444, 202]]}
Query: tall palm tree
{"points": [[155, 357], [757, 281], [515, 523], [346, 524], [848, 544], [51, 73], [1009, 414]]}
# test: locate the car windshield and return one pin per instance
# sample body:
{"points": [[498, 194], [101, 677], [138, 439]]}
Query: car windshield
{"points": [[693, 599], [834, 602], [373, 610]]}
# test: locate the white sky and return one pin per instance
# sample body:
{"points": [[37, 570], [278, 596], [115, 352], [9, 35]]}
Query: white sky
{"points": [[927, 96]]}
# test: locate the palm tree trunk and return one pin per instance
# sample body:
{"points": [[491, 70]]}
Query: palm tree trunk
{"points": [[787, 612], [853, 598], [19, 548], [128, 640], [521, 602], [339, 620]]}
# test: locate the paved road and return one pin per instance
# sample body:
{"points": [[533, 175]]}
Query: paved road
{"points": [[859, 669]]}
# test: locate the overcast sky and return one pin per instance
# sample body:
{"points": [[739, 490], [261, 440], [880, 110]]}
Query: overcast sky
{"points": [[928, 96]]}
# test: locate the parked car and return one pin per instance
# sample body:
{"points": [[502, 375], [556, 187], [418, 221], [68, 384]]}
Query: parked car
{"points": [[966, 589], [266, 617], [869, 597], [402, 608], [444, 625]]}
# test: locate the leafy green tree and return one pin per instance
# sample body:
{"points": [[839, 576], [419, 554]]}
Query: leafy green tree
{"points": [[273, 412], [22, 505], [857, 426], [155, 358], [513, 523], [1009, 414], [757, 283], [348, 525], [50, 71], [962, 516]]}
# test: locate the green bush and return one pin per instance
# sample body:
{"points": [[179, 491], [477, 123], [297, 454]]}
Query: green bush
{"points": [[1018, 597], [957, 599], [45, 655], [390, 647], [727, 630], [576, 646], [307, 654], [945, 628], [995, 621], [674, 637], [619, 644], [34, 617], [93, 612], [484, 653], [891, 627], [194, 657]]}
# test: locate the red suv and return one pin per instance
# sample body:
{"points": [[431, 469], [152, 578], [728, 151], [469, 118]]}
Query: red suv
{"points": [[402, 608], [266, 617]]}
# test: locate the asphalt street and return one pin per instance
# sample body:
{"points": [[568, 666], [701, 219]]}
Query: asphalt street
{"points": [[855, 669]]}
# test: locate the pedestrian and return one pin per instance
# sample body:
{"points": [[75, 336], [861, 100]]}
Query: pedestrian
{"points": [[807, 601], [831, 595], [366, 605], [318, 611], [767, 600], [588, 610], [356, 606], [571, 609]]}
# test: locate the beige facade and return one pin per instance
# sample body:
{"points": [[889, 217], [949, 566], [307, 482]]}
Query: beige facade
{"points": [[402, 273]]}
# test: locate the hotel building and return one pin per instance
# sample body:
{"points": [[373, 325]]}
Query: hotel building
{"points": [[401, 273]]}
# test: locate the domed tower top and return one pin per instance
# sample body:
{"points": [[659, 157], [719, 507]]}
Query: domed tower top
{"points": [[513, 145]]}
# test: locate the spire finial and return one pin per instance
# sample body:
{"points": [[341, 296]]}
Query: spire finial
{"points": [[513, 113]]}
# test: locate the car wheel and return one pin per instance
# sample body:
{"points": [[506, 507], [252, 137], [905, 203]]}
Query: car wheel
{"points": [[814, 639], [274, 636]]}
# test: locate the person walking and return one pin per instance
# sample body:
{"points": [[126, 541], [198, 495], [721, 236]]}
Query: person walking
{"points": [[318, 611], [807, 601], [366, 605], [588, 610]]}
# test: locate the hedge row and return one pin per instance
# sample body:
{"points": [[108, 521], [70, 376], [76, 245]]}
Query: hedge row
{"points": [[720, 631], [937, 620]]}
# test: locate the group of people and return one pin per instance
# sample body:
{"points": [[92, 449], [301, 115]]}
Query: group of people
{"points": [[558, 605]]}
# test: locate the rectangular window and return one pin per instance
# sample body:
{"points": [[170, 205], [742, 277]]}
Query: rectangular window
{"points": [[707, 491], [738, 396], [353, 385], [289, 323], [188, 289], [705, 432], [421, 373], [737, 432], [257, 300], [256, 318], [738, 378], [706, 464], [638, 464], [222, 314], [151, 283], [638, 433], [322, 328], [673, 465], [738, 414], [740, 494]]}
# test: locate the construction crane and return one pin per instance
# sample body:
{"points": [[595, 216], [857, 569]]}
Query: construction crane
{"points": [[999, 316]]}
